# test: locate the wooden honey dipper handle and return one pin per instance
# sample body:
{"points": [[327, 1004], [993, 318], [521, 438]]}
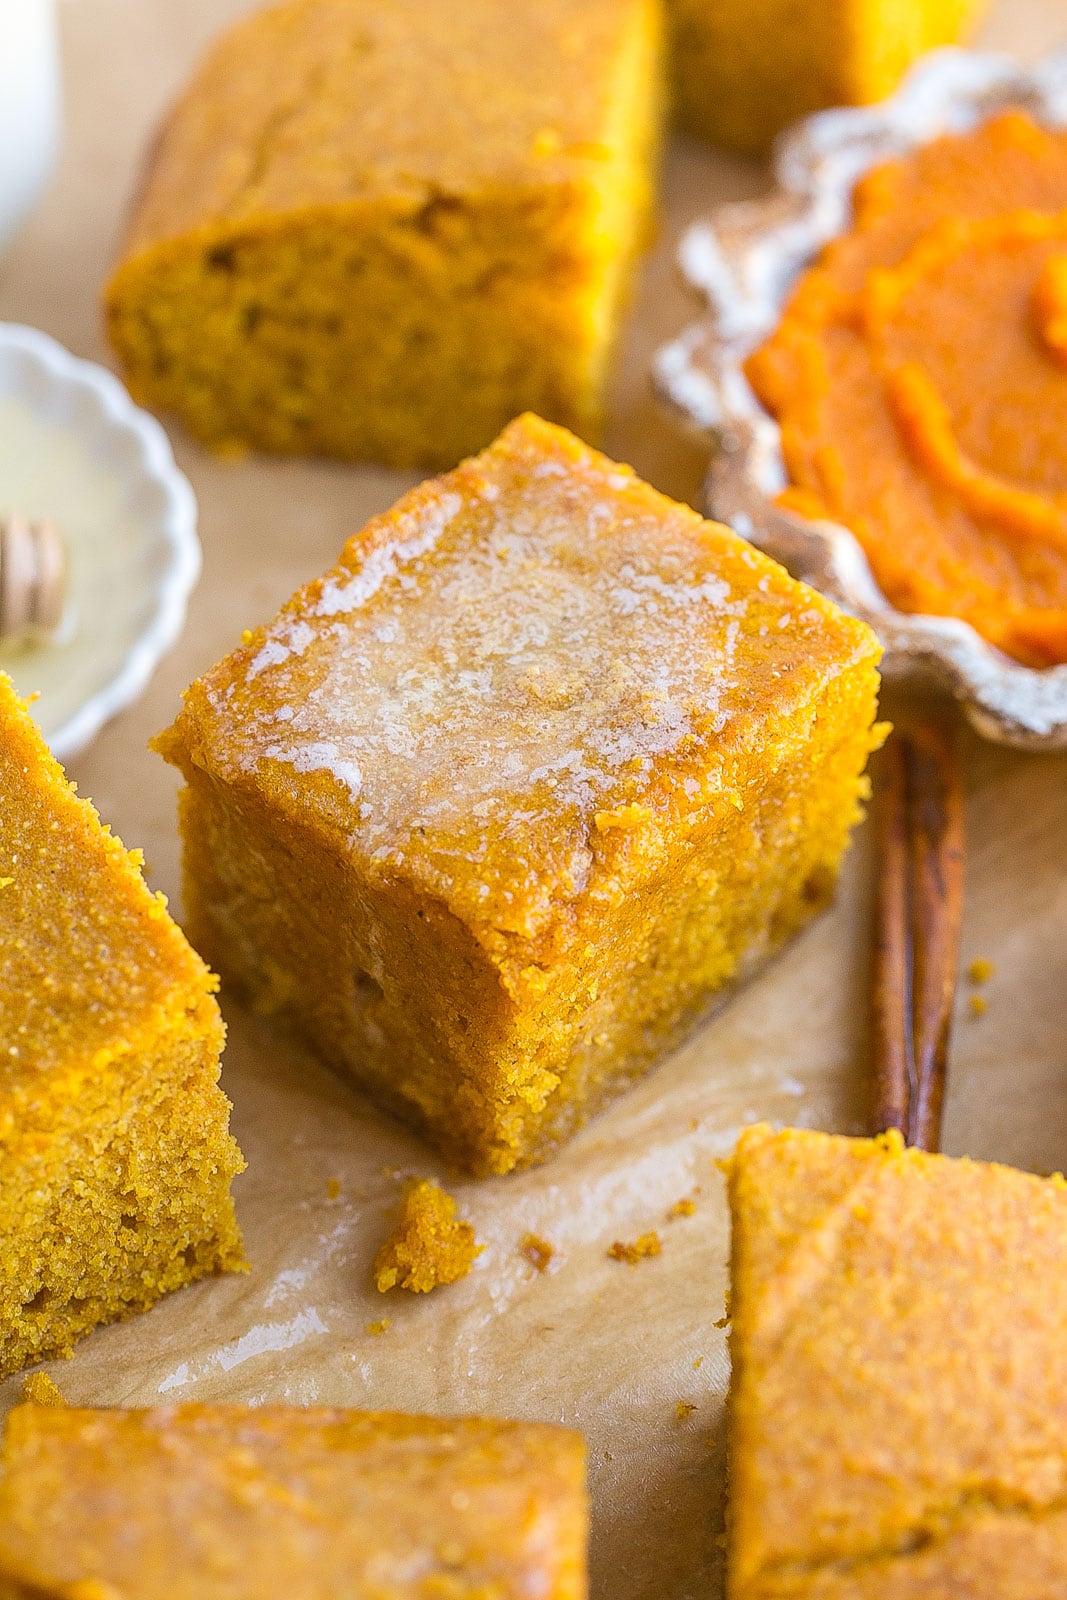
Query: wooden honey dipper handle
{"points": [[32, 578]]}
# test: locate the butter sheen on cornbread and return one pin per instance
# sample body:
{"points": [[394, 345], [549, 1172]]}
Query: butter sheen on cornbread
{"points": [[235, 1503], [898, 1406], [378, 229], [115, 1159], [490, 810]]}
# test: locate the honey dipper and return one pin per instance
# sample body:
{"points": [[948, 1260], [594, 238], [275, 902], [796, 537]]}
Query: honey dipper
{"points": [[32, 578]]}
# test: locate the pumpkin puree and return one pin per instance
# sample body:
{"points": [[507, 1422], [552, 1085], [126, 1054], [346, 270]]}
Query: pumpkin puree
{"points": [[919, 376]]}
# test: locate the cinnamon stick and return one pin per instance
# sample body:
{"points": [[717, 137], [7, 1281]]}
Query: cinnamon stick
{"points": [[919, 910]]}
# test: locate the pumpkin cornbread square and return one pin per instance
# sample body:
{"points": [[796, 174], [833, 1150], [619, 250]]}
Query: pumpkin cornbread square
{"points": [[235, 1503], [898, 1409], [745, 69], [491, 809], [378, 229], [115, 1160]]}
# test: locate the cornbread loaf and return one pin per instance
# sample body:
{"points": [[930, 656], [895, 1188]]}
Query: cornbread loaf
{"points": [[378, 229], [899, 1396], [232, 1503], [492, 809], [115, 1159], [745, 69]]}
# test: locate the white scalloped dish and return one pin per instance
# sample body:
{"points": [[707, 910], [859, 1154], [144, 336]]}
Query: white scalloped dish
{"points": [[74, 447], [744, 263]]}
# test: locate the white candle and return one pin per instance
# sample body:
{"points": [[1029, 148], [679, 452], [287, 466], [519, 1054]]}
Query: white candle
{"points": [[29, 105]]}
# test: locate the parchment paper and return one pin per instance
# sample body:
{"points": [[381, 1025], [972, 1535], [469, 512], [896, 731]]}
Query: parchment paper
{"points": [[593, 1342]]}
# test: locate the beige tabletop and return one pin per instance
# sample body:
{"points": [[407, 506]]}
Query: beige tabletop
{"points": [[608, 1347]]}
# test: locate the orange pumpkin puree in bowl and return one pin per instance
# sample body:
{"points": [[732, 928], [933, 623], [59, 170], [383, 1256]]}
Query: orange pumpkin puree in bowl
{"points": [[919, 378]]}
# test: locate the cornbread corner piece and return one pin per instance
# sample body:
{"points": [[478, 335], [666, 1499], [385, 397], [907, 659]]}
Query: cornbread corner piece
{"points": [[115, 1159], [490, 810], [745, 69], [379, 229], [898, 1413], [429, 1245], [235, 1503]]}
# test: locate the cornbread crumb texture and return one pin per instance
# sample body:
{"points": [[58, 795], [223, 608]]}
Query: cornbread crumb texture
{"points": [[639, 1249], [899, 1396], [115, 1159], [745, 69], [429, 1246], [229, 1503], [537, 1251], [39, 1389], [393, 823], [381, 228]]}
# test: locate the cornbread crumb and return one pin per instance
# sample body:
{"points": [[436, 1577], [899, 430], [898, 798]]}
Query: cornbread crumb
{"points": [[537, 1251], [39, 1390], [333, 1188], [981, 970], [378, 1327], [428, 1246], [683, 1208], [978, 1004], [632, 816], [647, 1245], [684, 1410], [698, 1362]]}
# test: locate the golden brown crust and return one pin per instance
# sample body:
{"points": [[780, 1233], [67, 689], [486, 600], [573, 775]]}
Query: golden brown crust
{"points": [[303, 105], [898, 1406], [76, 975], [230, 1503]]}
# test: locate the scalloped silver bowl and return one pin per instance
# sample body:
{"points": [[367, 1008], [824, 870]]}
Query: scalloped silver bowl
{"points": [[74, 447], [744, 263]]}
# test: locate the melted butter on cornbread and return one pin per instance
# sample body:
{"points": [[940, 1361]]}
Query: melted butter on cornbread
{"points": [[510, 659], [492, 808]]}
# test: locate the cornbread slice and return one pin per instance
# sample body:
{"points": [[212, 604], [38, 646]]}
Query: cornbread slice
{"points": [[115, 1160], [230, 1503], [898, 1415], [745, 69], [380, 228], [491, 809]]}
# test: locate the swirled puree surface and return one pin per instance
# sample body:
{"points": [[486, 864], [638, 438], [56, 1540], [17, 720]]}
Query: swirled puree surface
{"points": [[919, 376]]}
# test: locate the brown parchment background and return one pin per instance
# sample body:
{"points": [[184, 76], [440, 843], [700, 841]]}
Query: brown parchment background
{"points": [[606, 1347]]}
